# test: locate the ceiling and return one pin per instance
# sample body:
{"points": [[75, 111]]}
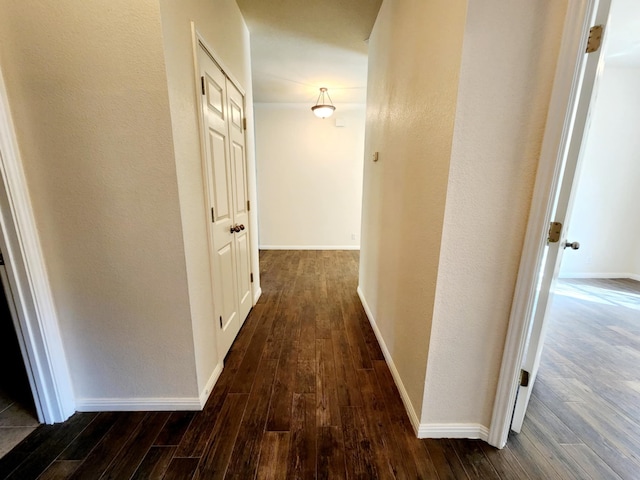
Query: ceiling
{"points": [[623, 38], [298, 46]]}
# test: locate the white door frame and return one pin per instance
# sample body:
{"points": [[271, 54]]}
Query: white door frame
{"points": [[560, 121], [36, 320]]}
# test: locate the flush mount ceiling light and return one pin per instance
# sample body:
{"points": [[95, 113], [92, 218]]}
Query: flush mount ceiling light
{"points": [[322, 109]]}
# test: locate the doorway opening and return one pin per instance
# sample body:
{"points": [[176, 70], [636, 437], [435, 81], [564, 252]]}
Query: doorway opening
{"points": [[588, 375], [18, 415], [575, 145], [588, 381]]}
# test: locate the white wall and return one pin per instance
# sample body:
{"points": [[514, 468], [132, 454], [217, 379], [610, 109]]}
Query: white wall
{"points": [[505, 88], [222, 26], [414, 59], [445, 212], [606, 212], [87, 89], [105, 107], [309, 176]]}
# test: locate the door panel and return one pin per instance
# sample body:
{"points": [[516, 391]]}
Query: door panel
{"points": [[215, 95], [220, 175], [240, 179], [235, 112], [226, 265], [219, 182]]}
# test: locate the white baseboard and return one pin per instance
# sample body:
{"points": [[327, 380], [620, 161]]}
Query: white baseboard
{"points": [[422, 430], [137, 404], [256, 295], [632, 276], [208, 388], [309, 247], [413, 417], [453, 430]]}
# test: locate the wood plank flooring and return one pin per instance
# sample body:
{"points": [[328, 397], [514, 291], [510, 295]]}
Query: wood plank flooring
{"points": [[305, 393], [585, 409]]}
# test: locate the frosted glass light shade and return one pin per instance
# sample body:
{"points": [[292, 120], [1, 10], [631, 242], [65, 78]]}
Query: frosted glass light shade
{"points": [[323, 111]]}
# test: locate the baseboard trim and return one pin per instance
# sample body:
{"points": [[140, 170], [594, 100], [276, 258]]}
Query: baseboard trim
{"points": [[453, 430], [632, 276], [137, 404], [309, 247], [208, 388], [413, 417], [257, 295]]}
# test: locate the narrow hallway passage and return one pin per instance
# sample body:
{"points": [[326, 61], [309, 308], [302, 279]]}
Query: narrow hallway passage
{"points": [[305, 394]]}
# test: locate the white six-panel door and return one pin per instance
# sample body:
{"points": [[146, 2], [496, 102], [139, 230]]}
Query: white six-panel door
{"points": [[225, 171]]}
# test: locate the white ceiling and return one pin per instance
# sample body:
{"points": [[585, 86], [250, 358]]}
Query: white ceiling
{"points": [[298, 46], [623, 38]]}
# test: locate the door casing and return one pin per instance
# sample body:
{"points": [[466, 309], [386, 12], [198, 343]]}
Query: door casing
{"points": [[36, 318]]}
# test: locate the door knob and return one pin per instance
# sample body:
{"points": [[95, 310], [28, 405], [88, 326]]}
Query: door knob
{"points": [[572, 245], [241, 227], [236, 228], [232, 229]]}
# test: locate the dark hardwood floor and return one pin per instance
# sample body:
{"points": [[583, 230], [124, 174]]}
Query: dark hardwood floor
{"points": [[305, 393]]}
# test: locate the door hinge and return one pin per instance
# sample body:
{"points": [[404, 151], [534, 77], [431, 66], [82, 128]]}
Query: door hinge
{"points": [[248, 205], [202, 85], [555, 230], [251, 276], [213, 216], [524, 378], [244, 123], [595, 38], [220, 321]]}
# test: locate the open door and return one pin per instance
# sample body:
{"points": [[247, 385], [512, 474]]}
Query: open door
{"points": [[556, 241]]}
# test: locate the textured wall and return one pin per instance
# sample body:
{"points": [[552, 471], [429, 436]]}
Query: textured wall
{"points": [[87, 89], [414, 59], [505, 85], [309, 175], [607, 200], [222, 26]]}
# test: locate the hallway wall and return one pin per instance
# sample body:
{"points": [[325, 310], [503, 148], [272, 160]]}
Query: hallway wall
{"points": [[415, 52], [505, 88], [445, 210], [88, 94], [309, 176]]}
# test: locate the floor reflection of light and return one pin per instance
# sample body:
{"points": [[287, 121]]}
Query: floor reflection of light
{"points": [[595, 294]]}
